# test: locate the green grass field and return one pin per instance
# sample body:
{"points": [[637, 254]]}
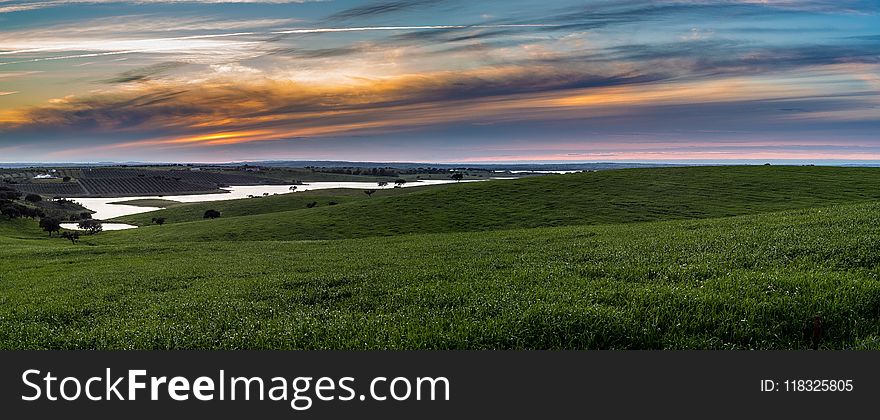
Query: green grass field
{"points": [[707, 258]]}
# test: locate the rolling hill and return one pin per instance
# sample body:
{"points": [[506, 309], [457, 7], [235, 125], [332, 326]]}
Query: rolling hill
{"points": [[620, 196], [670, 258]]}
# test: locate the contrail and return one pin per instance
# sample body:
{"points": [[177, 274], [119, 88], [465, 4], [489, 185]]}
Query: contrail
{"points": [[237, 34]]}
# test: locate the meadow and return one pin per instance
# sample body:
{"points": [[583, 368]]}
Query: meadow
{"points": [[666, 258]]}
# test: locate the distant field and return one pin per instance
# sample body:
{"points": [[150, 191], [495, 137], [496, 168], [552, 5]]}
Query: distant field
{"points": [[708, 258]]}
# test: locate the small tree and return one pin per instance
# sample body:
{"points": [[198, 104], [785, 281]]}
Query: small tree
{"points": [[159, 220], [370, 193], [66, 179], [50, 224], [312, 204], [211, 214], [91, 225], [11, 211], [85, 215], [399, 182], [382, 184], [33, 198], [293, 188], [71, 236], [457, 177]]}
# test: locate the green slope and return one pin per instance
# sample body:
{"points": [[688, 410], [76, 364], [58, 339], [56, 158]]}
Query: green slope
{"points": [[495, 277], [188, 212], [632, 195], [744, 282]]}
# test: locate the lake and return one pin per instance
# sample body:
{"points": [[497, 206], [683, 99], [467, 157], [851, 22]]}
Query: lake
{"points": [[104, 210]]}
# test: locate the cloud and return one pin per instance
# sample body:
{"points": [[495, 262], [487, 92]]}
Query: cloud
{"points": [[382, 8], [145, 73], [238, 106], [11, 6]]}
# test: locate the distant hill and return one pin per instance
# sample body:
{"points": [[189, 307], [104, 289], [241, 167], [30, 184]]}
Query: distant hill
{"points": [[624, 196]]}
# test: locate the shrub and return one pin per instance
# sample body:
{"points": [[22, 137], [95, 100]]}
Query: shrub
{"points": [[211, 214], [7, 193], [12, 211], [72, 236], [33, 198]]}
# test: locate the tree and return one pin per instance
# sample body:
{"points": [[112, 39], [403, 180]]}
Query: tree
{"points": [[31, 213], [7, 193], [370, 193], [91, 225], [159, 220], [293, 188], [399, 182], [312, 204], [457, 177], [50, 224], [66, 179], [85, 215], [12, 211], [72, 236], [211, 214], [33, 198], [382, 184]]}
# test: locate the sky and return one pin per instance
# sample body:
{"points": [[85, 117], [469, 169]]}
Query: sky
{"points": [[439, 81]]}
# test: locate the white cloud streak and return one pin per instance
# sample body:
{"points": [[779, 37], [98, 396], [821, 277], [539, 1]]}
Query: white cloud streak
{"points": [[11, 6], [188, 44]]}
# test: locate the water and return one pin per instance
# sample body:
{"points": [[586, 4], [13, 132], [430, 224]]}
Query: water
{"points": [[106, 226], [104, 210]]}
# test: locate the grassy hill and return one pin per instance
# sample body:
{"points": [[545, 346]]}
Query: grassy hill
{"points": [[749, 281], [744, 282], [620, 196]]}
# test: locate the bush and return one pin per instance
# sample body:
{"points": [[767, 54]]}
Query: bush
{"points": [[50, 224], [12, 211], [33, 198], [211, 214], [71, 236], [7, 193]]}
